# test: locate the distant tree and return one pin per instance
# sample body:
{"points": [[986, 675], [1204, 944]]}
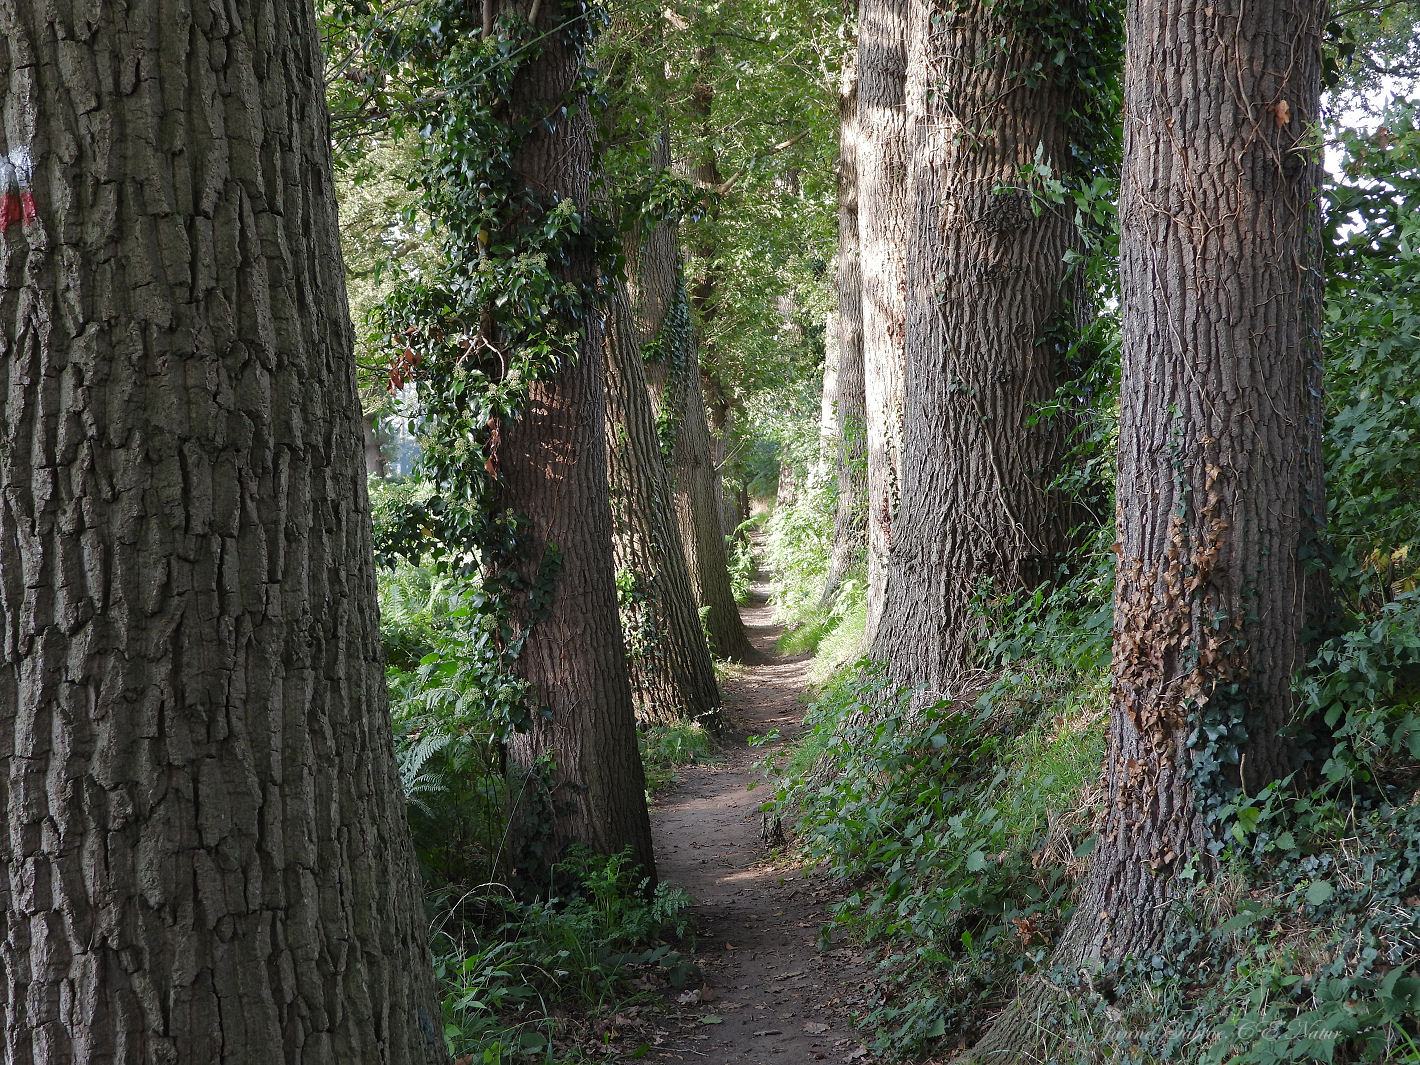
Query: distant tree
{"points": [[207, 858], [672, 675], [883, 213], [1220, 452], [661, 301], [848, 434]]}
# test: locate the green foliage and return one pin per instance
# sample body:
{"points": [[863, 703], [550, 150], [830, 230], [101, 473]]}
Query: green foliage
{"points": [[964, 825], [449, 723], [1373, 363], [1364, 685], [664, 747], [509, 981]]}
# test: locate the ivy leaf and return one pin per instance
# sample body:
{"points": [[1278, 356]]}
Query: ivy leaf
{"points": [[1320, 891]]}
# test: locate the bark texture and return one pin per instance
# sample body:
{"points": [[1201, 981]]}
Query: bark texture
{"points": [[577, 772], [848, 432], [882, 229], [986, 280], [672, 676], [1219, 444], [206, 857], [658, 295]]}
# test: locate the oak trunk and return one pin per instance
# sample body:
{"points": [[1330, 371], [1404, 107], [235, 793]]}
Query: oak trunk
{"points": [[659, 297], [848, 432]]}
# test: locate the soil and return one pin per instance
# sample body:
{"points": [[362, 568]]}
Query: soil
{"points": [[770, 995]]}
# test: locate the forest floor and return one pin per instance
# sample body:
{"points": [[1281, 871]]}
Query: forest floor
{"points": [[770, 995]]}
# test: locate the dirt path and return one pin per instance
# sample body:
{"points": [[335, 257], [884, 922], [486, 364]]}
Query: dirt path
{"points": [[770, 996]]}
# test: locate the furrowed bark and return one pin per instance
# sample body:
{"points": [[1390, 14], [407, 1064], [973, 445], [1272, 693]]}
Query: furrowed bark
{"points": [[659, 297], [577, 772], [1219, 447], [882, 229], [986, 280], [849, 427], [672, 676], [206, 857]]}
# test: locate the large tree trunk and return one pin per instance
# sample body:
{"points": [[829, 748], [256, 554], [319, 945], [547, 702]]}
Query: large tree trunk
{"points": [[672, 676], [1219, 447], [986, 279], [553, 470], [849, 426], [206, 858], [658, 294], [882, 228]]}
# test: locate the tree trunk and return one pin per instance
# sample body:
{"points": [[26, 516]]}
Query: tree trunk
{"points": [[553, 470], [786, 493], [375, 464], [1219, 448], [882, 229], [985, 283], [849, 427], [672, 676], [659, 297], [207, 858]]}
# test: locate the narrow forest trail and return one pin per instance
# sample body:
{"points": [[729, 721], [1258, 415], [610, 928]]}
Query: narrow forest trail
{"points": [[770, 995]]}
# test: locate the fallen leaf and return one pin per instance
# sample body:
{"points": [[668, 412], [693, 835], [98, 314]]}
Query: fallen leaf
{"points": [[815, 1027], [711, 1018]]}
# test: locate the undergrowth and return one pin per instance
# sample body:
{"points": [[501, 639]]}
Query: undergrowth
{"points": [[528, 980], [528, 973]]}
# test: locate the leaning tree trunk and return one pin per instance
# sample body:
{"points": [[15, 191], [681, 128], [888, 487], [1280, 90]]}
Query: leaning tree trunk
{"points": [[849, 427], [659, 297], [577, 771], [207, 858], [882, 228], [1219, 448], [985, 283], [672, 676]]}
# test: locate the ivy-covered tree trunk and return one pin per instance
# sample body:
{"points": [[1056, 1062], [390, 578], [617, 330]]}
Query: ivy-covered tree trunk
{"points": [[848, 433], [1219, 450], [658, 294], [672, 675], [985, 286], [882, 226], [577, 773], [206, 856]]}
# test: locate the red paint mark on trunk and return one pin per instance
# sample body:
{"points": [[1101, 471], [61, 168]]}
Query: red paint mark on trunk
{"points": [[15, 207]]}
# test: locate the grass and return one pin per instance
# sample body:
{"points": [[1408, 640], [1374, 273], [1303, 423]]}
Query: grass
{"points": [[666, 747]]}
